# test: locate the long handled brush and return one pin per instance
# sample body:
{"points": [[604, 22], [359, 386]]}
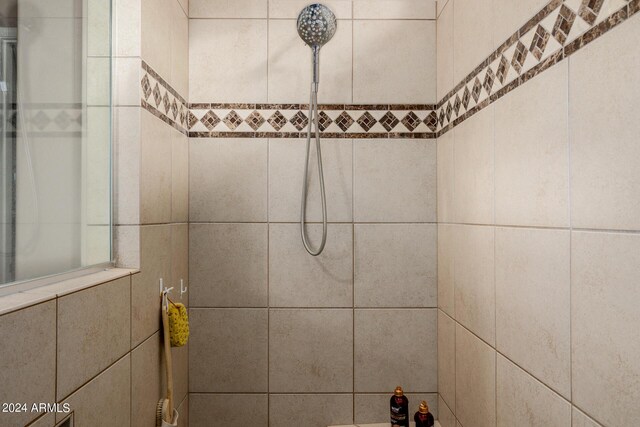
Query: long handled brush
{"points": [[164, 410]]}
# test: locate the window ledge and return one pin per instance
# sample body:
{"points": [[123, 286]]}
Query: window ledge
{"points": [[27, 298]]}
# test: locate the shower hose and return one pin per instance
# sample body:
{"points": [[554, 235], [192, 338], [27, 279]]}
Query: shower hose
{"points": [[313, 120]]}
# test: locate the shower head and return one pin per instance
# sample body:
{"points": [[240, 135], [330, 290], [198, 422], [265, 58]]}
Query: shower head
{"points": [[316, 25]]}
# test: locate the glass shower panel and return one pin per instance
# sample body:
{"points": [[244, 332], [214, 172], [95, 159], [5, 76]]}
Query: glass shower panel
{"points": [[55, 204]]}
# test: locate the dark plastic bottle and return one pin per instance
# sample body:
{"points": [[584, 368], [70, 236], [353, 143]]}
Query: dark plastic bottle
{"points": [[423, 417], [399, 408]]}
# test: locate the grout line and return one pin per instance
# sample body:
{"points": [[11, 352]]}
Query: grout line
{"points": [[352, 70], [570, 231], [498, 352], [77, 389], [534, 227], [452, 213], [495, 290], [353, 240], [445, 2], [268, 234]]}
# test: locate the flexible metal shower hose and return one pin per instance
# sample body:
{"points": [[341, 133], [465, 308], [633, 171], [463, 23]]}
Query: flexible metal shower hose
{"points": [[313, 119]]}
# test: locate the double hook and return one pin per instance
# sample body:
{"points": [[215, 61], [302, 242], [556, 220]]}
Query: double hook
{"points": [[164, 291]]}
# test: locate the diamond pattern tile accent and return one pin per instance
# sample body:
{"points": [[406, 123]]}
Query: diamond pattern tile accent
{"points": [[475, 91], [411, 121], [589, 10], [163, 101], [157, 95], [432, 121], [539, 42], [457, 104], [277, 120], [146, 87], [563, 24], [489, 78], [389, 121], [63, 120], [166, 103], [299, 120], [466, 97], [519, 56], [210, 120], [41, 120], [255, 120], [174, 109], [367, 121], [191, 119], [324, 121], [503, 69], [484, 81], [232, 120], [344, 121]]}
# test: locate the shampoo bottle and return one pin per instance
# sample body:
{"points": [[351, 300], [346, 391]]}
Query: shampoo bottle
{"points": [[399, 408], [423, 417]]}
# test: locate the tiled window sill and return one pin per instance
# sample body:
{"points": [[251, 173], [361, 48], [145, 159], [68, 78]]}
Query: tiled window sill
{"points": [[30, 297]]}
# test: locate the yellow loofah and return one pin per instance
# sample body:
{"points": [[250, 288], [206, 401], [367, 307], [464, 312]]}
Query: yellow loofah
{"points": [[178, 324]]}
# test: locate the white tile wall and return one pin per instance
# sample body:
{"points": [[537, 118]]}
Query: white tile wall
{"points": [[473, 41], [394, 181], [297, 279], [290, 62], [474, 182], [394, 9], [286, 168], [231, 177], [310, 350], [386, 55], [523, 400], [532, 152], [563, 175], [227, 60], [395, 265], [605, 176], [533, 302], [228, 8]]}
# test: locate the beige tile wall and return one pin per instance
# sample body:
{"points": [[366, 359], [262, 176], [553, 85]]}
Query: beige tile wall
{"points": [[151, 190], [28, 359], [329, 321], [538, 234], [99, 348], [76, 349], [249, 51], [274, 328]]}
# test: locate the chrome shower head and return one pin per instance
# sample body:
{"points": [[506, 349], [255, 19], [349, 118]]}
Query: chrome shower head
{"points": [[316, 25]]}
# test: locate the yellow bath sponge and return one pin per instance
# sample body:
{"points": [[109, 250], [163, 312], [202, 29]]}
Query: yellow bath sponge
{"points": [[178, 324]]}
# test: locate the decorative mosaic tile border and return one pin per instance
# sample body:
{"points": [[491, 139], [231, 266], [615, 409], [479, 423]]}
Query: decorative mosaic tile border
{"points": [[560, 29], [48, 120], [291, 121], [161, 100]]}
